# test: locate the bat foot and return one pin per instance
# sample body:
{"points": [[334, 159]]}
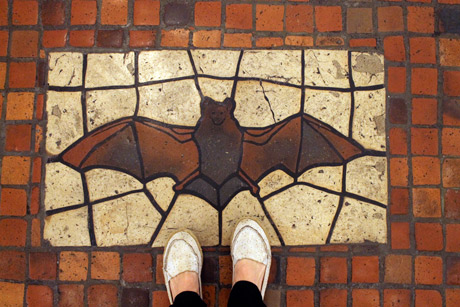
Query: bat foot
{"points": [[255, 190], [178, 187]]}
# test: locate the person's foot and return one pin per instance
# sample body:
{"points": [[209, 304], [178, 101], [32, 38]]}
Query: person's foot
{"points": [[249, 270], [187, 281]]}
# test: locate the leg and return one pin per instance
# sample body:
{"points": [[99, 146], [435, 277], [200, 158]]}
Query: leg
{"points": [[245, 294], [188, 299]]}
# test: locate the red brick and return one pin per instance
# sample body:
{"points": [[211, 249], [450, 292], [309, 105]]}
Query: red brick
{"points": [[142, 38], [453, 270], [428, 270], [299, 18], [159, 277], [13, 264], [81, 38], [448, 51], [35, 233], [396, 79], [53, 12], [22, 74], [398, 141], [333, 297], [423, 50], [366, 297], [453, 237], [2, 75], [452, 297], [426, 170], [424, 81], [160, 298], [225, 270], [11, 294], [207, 14], [424, 111], [269, 42], [3, 43], [429, 237], [102, 295], [426, 202], [13, 202], [399, 172], [175, 38], [147, 12], [110, 38], [450, 141], [42, 266], [105, 265], [399, 203], [209, 295], [269, 17], [363, 42], [36, 170], [329, 41], [395, 49], [73, 266], [18, 137], [13, 232], [54, 38], [420, 19], [452, 204], [24, 44], [20, 106], [390, 19], [71, 295], [299, 298], [207, 39], [238, 16], [333, 270], [400, 235], [396, 298], [428, 298], [328, 18], [359, 20], [114, 12], [300, 271], [39, 296], [15, 170], [302, 249], [451, 173], [451, 82], [365, 269], [25, 12], [424, 141], [84, 12], [398, 269], [334, 248], [449, 1], [398, 111], [237, 40], [137, 267], [3, 12]]}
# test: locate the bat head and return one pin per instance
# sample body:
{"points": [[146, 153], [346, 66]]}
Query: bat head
{"points": [[217, 111]]}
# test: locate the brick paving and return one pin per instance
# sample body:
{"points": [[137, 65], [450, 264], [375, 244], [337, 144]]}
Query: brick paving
{"points": [[420, 265]]}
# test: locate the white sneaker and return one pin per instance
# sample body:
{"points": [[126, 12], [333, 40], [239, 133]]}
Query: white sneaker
{"points": [[182, 254], [250, 242]]}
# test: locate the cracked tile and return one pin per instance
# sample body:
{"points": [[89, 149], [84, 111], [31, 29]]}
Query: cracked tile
{"points": [[65, 69], [326, 68], [367, 68]]}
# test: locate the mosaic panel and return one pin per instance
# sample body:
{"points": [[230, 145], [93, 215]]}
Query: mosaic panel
{"points": [[141, 144]]}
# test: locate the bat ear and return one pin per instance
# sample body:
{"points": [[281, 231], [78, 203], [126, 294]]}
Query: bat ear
{"points": [[205, 102], [230, 104]]}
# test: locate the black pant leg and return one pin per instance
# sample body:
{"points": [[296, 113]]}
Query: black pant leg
{"points": [[188, 299], [245, 294]]}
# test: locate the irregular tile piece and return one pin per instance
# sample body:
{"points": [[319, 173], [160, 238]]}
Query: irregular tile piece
{"points": [[367, 68], [106, 182], [105, 106], [367, 176], [244, 205], [221, 63], [276, 65], [369, 119], [360, 222], [329, 177], [164, 64], [192, 213], [65, 121], [128, 220], [260, 104], [68, 228], [172, 102], [326, 68], [63, 186], [216, 89], [303, 215], [65, 69], [105, 69], [331, 107], [162, 191], [273, 182]]}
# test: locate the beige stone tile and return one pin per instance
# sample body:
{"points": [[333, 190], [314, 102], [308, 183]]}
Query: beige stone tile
{"points": [[106, 182], [367, 176], [63, 186], [164, 64], [326, 68], [68, 228], [329, 177], [273, 182], [65, 69], [220, 63], [162, 191], [244, 205], [192, 213], [368, 68], [172, 102], [331, 107], [303, 215], [128, 220], [105, 69], [369, 119], [253, 109], [275, 65], [103, 107], [360, 222], [216, 89], [65, 121]]}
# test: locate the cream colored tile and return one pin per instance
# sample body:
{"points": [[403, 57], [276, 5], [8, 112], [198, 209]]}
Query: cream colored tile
{"points": [[128, 220], [369, 119], [302, 214], [216, 89], [105, 69], [65, 121], [65, 69], [329, 177], [244, 205], [192, 213], [172, 102], [253, 109], [220, 63], [162, 191], [63, 186], [164, 64], [367, 176], [326, 68], [333, 108], [273, 182], [360, 222], [368, 68], [103, 107], [69, 228], [275, 65], [106, 182]]}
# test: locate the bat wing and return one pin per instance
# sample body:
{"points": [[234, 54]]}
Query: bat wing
{"points": [[294, 145], [141, 147]]}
